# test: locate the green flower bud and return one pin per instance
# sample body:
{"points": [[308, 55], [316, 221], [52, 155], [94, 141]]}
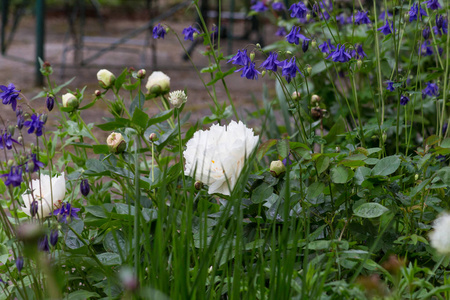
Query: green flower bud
{"points": [[198, 185], [153, 137], [141, 73], [116, 143], [105, 78], [252, 56], [315, 99], [359, 63], [277, 168], [314, 43]]}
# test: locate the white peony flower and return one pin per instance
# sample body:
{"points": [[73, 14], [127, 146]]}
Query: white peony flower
{"points": [[218, 155], [42, 192], [105, 78], [440, 236], [69, 100], [177, 98], [158, 83]]}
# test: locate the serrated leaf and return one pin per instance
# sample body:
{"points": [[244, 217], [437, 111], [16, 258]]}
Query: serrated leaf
{"points": [[370, 210]]}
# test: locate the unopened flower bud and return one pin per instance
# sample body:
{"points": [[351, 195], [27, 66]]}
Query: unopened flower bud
{"points": [[296, 95], [19, 263], [359, 63], [158, 83], [69, 100], [338, 149], [141, 73], [308, 69], [258, 45], [315, 99], [116, 143], [314, 43], [30, 168], [105, 78], [11, 129], [54, 237], [34, 207], [263, 73], [50, 102], [10, 163], [44, 118], [20, 139], [277, 168], [153, 137], [84, 187], [416, 177], [97, 93], [288, 52], [177, 98], [252, 56], [384, 137], [308, 16], [198, 185]]}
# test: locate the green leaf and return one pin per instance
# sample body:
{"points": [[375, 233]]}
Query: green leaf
{"points": [[139, 118], [264, 147], [2, 187], [101, 149], [340, 174], [444, 175], [261, 193], [314, 190], [110, 243], [283, 148], [109, 259], [322, 163], [121, 79], [386, 166], [158, 118], [72, 241], [82, 295], [370, 210], [445, 143], [338, 128], [118, 123]]}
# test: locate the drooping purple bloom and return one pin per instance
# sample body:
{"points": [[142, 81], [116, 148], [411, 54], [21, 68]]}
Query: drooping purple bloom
{"points": [[386, 29], [290, 69], [327, 47], [278, 6], [281, 31], [425, 49], [50, 102], [416, 11], [441, 25], [360, 51], [43, 244], [53, 237], [362, 18], [214, 33], [14, 177], [441, 158], [36, 125], [259, 7], [383, 14], [431, 90], [7, 141], [241, 58], [433, 4], [426, 33], [34, 208], [36, 163], [390, 86], [294, 36], [325, 15], [298, 10], [159, 31], [66, 211], [404, 100], [249, 71], [341, 18], [305, 45], [270, 64], [9, 95], [84, 187], [19, 263], [189, 33], [340, 55]]}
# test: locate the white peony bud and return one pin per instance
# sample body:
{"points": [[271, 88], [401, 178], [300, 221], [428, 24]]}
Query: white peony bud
{"points": [[177, 98], [116, 143], [105, 78], [158, 83], [69, 100], [277, 168]]}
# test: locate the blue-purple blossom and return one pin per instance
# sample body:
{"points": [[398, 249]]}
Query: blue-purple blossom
{"points": [[441, 158], [159, 31], [19, 263], [383, 14], [441, 25], [362, 18], [271, 62], [14, 177], [36, 125], [359, 52], [340, 55], [84, 187], [34, 208], [189, 33], [341, 18], [298, 10], [290, 69], [50, 102], [327, 47], [54, 237], [416, 11], [386, 29], [281, 31], [36, 163], [214, 33], [259, 7], [431, 90], [9, 95], [241, 58], [404, 100], [249, 71], [43, 244], [278, 6], [325, 15], [433, 4], [390, 86], [7, 141], [426, 33], [294, 36], [66, 211], [425, 49], [305, 45]]}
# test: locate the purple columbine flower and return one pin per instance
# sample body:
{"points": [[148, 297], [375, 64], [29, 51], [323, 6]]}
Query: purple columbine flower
{"points": [[327, 47], [433, 4], [290, 69], [431, 90], [298, 10], [383, 14], [441, 25], [53, 237], [50, 102], [425, 49], [241, 58], [214, 33], [34, 208], [9, 95], [360, 51], [404, 100], [416, 11], [362, 18], [159, 31], [340, 55], [36, 125], [14, 177], [426, 33], [305, 45], [325, 15], [43, 244], [66, 211], [386, 29], [341, 18], [19, 263], [281, 31], [270, 64], [36, 163], [84, 187], [7, 141], [390, 86], [259, 7], [278, 6], [294, 36], [189, 33], [249, 71]]}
